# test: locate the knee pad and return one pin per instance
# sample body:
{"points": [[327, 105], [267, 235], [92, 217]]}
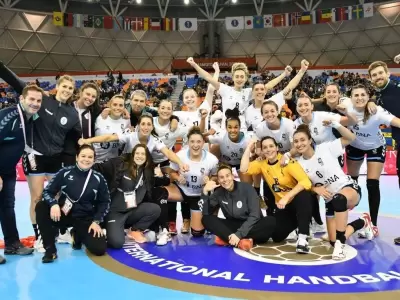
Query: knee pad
{"points": [[160, 194], [339, 203], [372, 184], [197, 233], [329, 211]]}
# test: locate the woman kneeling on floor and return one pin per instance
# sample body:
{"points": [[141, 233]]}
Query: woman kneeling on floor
{"points": [[290, 186], [240, 204], [132, 179], [83, 203]]}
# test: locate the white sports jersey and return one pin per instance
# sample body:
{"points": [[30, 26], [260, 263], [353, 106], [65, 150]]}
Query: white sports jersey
{"points": [[283, 136], [231, 99], [319, 132], [106, 151], [167, 137], [192, 118], [323, 168], [207, 166], [231, 153], [347, 103], [369, 135], [131, 139]]}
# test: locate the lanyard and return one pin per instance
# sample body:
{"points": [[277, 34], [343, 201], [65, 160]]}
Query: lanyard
{"points": [[137, 185], [80, 120], [21, 116], [84, 187]]}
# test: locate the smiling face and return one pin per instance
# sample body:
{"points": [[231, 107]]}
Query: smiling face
{"points": [[32, 101], [146, 126], [269, 149], [239, 78], [301, 142], [269, 113], [196, 143], [65, 90], [140, 157], [85, 158], [259, 92], [165, 110], [226, 179], [233, 129], [88, 96], [359, 97], [138, 103], [117, 107], [332, 94], [304, 107], [379, 76], [190, 99]]}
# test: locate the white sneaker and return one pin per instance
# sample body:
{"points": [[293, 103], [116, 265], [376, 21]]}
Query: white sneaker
{"points": [[150, 236], [38, 245], [338, 251], [292, 236], [361, 233], [325, 237], [65, 238], [368, 228], [316, 228], [163, 237]]}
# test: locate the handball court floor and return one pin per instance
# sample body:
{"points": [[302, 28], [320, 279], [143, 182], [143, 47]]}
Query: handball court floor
{"points": [[196, 269]]}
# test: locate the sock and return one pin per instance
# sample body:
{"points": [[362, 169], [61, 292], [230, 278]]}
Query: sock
{"points": [[340, 236], [357, 224], [302, 239], [36, 230], [257, 190], [332, 243], [355, 178], [374, 199]]}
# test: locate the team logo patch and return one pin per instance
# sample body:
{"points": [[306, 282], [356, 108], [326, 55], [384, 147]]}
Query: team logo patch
{"points": [[239, 204], [63, 121]]}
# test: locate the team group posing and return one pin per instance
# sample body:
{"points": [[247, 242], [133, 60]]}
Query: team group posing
{"points": [[125, 177]]}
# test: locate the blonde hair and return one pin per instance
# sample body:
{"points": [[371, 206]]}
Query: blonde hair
{"points": [[377, 64], [240, 67], [140, 93], [65, 78]]}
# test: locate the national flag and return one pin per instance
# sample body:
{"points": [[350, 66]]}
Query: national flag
{"points": [[146, 24], [258, 22], [279, 20], [108, 22], [155, 24], [127, 23], [168, 24], [294, 18], [357, 12], [68, 20], [324, 16], [78, 21], [98, 22], [187, 24], [58, 18], [248, 22], [341, 14], [267, 21], [305, 18], [368, 10], [234, 23], [88, 21], [118, 23], [137, 24]]}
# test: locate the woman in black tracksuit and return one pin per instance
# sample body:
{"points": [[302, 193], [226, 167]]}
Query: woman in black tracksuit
{"points": [[56, 119], [83, 203], [240, 204], [135, 201]]}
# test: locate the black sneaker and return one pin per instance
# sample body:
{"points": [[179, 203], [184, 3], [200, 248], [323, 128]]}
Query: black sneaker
{"points": [[302, 248], [397, 241], [76, 243], [2, 260], [49, 257], [18, 249]]}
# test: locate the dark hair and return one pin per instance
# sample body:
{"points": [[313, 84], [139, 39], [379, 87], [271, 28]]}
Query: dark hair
{"points": [[232, 114], [223, 166], [367, 115], [83, 147], [256, 83], [303, 128], [149, 116], [194, 130], [131, 165], [268, 138], [270, 102]]}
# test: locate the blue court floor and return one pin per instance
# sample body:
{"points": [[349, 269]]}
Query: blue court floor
{"points": [[197, 269]]}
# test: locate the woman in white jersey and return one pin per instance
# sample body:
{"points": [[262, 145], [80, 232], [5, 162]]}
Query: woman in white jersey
{"points": [[371, 143], [144, 135], [114, 123], [329, 181], [236, 96]]}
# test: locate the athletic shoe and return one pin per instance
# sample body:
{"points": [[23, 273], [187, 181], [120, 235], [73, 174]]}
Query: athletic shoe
{"points": [[339, 252], [137, 236], [368, 230], [316, 228], [49, 257], [245, 244], [375, 230], [220, 242], [163, 237], [2, 260], [185, 226], [302, 246], [65, 238], [18, 249], [292, 236], [325, 237], [150, 236], [397, 241], [172, 228], [38, 246], [361, 234]]}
